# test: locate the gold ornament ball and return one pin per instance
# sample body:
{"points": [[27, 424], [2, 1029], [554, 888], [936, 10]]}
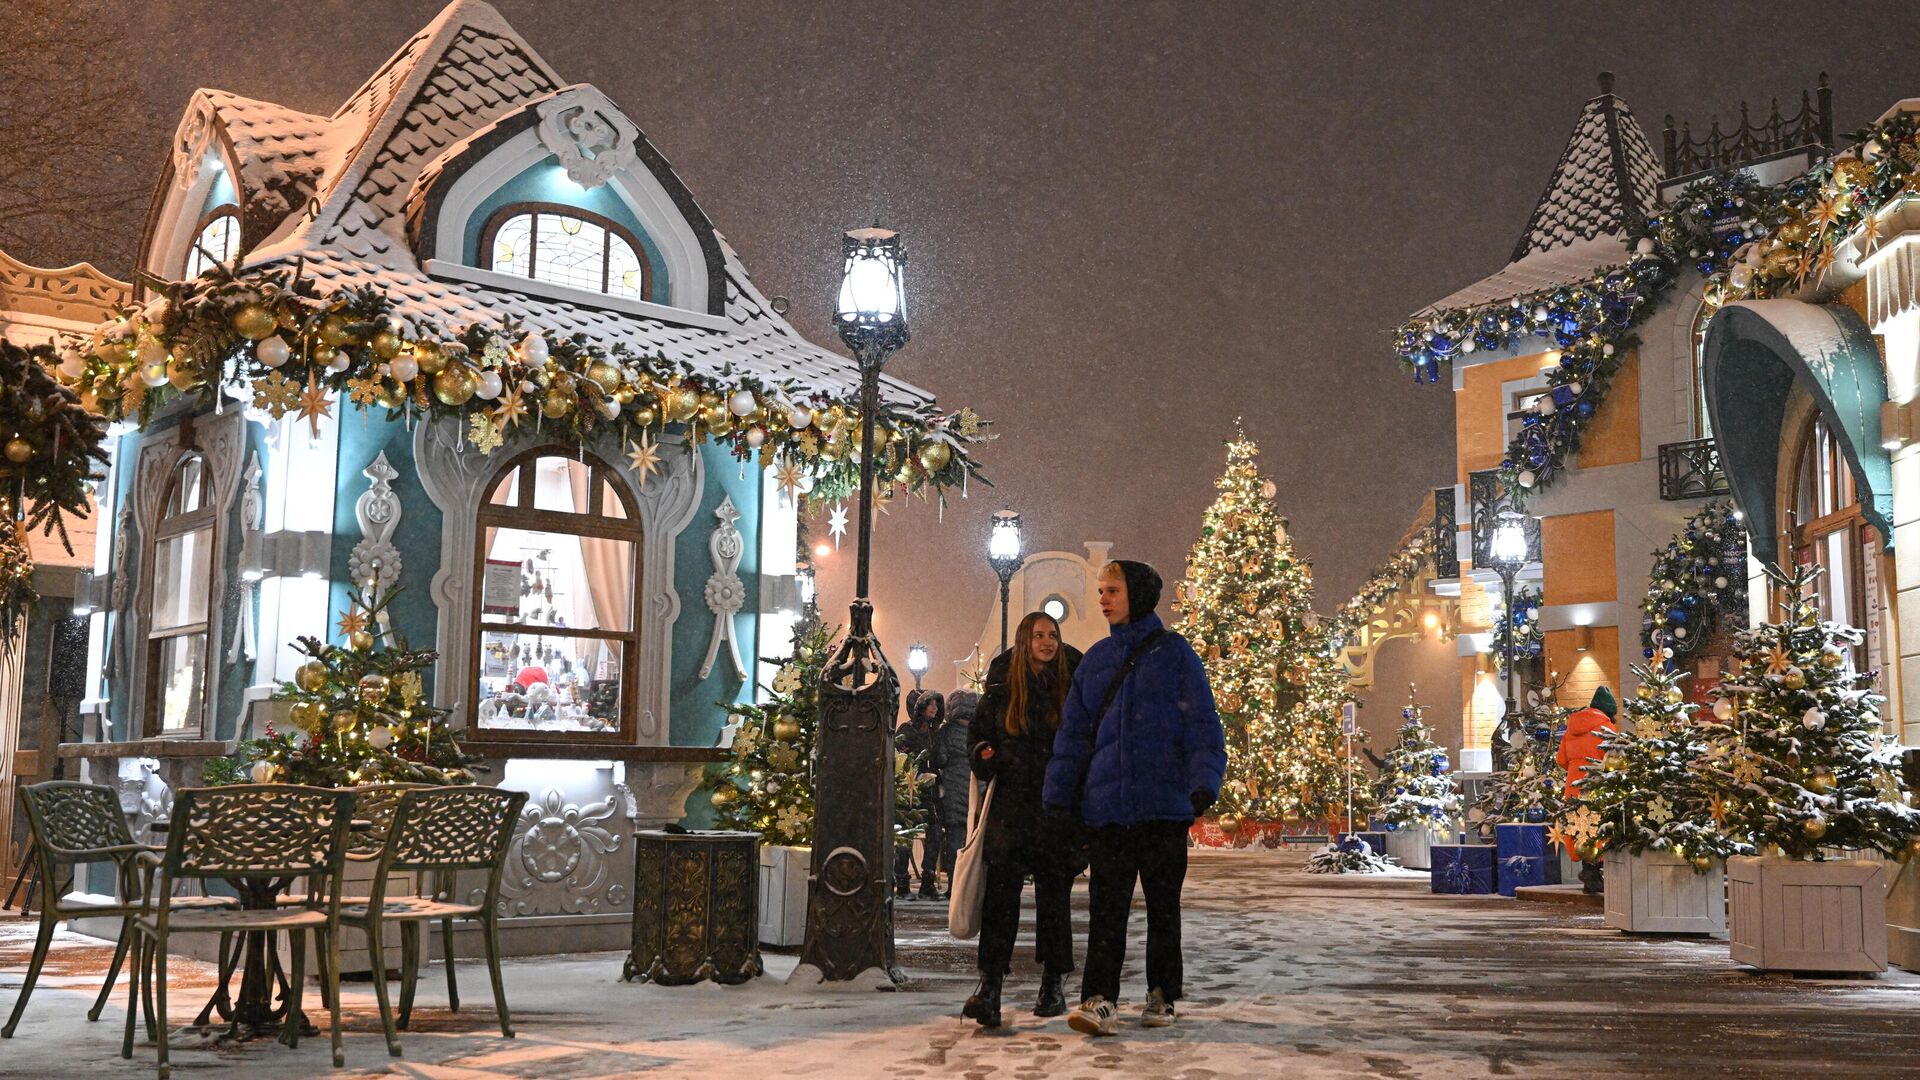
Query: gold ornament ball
{"points": [[1851, 172], [183, 374], [1815, 828], [455, 385], [360, 641], [385, 344], [1229, 823], [555, 403], [254, 321], [333, 331], [390, 395], [323, 354], [724, 796], [19, 451], [344, 721], [1794, 679], [1912, 850], [679, 405], [307, 714], [374, 688], [1832, 659], [904, 474], [1793, 230], [311, 676], [1702, 863], [935, 456], [786, 729], [1822, 782], [837, 450], [609, 376], [1645, 693], [644, 416], [432, 358], [715, 415], [1674, 696]]}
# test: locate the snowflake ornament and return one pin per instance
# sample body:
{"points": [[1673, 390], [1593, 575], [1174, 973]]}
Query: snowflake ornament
{"points": [[1747, 770], [1582, 825], [1659, 811], [482, 434], [276, 394]]}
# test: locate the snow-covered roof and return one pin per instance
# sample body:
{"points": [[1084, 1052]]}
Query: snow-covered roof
{"points": [[334, 192], [1607, 178]]}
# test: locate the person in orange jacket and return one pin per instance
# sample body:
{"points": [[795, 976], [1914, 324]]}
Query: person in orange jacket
{"points": [[1579, 751]]}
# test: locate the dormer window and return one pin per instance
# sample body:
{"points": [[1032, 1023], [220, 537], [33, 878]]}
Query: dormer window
{"points": [[566, 246], [216, 242]]}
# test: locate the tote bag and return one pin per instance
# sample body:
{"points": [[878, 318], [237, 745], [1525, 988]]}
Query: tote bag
{"points": [[967, 892]]}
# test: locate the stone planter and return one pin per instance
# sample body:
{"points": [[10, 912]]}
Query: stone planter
{"points": [[1657, 892], [1789, 915], [1412, 845], [783, 894]]}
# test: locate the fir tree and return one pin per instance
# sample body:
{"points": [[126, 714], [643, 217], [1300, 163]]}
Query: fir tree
{"points": [[767, 785], [1798, 760], [1532, 787], [1646, 794], [1414, 790]]}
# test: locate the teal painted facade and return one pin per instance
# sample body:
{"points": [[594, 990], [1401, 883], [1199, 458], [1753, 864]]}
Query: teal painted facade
{"points": [[547, 182], [699, 705]]}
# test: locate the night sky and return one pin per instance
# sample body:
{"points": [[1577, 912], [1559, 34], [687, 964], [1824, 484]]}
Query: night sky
{"points": [[1129, 223]]}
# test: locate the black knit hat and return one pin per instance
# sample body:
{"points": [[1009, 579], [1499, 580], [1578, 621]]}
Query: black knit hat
{"points": [[1143, 588]]}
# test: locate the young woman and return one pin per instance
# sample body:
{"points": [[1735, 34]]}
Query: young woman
{"points": [[1012, 738]]}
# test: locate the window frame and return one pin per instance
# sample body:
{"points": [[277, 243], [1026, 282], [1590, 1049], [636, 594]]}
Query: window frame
{"points": [[522, 515], [1845, 519], [507, 213], [207, 517], [226, 210]]}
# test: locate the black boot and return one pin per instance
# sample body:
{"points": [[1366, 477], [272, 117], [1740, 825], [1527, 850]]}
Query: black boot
{"points": [[1592, 879], [984, 1005], [1053, 1001]]}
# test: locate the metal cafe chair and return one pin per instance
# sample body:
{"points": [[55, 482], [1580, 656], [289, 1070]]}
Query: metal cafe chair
{"points": [[440, 831], [72, 824], [259, 837]]}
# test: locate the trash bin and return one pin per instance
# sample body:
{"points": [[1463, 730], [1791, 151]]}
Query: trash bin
{"points": [[696, 907]]}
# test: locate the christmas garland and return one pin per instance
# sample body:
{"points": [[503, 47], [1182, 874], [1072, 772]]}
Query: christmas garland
{"points": [[48, 446], [1701, 576], [1749, 241], [1380, 586], [1521, 627], [290, 346]]}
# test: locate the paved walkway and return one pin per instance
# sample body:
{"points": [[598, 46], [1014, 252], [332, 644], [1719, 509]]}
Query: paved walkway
{"points": [[1291, 975]]}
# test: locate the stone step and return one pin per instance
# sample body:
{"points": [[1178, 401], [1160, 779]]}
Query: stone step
{"points": [[1569, 895]]}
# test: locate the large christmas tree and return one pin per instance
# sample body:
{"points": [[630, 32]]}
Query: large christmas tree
{"points": [[1647, 794], [1244, 605], [1798, 761], [1415, 790]]}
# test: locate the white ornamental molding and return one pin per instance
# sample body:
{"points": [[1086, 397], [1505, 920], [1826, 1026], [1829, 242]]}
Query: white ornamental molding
{"points": [[726, 595], [587, 133], [190, 142], [375, 559], [250, 506]]}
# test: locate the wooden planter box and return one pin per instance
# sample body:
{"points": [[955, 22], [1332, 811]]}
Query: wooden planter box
{"points": [[1657, 892], [1903, 914], [1412, 845], [1789, 915], [783, 895]]}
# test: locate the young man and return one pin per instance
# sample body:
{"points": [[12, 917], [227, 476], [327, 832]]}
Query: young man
{"points": [[1139, 755]]}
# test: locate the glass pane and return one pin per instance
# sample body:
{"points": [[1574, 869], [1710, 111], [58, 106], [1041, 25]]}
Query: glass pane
{"points": [[548, 682], [181, 573], [513, 247], [539, 578], [506, 492], [181, 669], [610, 504], [189, 487], [623, 270], [560, 485], [214, 245], [572, 252], [1836, 585]]}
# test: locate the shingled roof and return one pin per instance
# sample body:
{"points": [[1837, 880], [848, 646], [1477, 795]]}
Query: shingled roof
{"points": [[333, 193], [1607, 179]]}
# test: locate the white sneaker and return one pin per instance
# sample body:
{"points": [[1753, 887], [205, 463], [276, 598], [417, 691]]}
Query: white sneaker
{"points": [[1095, 1016], [1159, 1012]]}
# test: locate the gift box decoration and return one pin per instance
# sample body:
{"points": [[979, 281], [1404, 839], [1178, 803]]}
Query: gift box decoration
{"points": [[1528, 856], [1466, 869], [1376, 841]]}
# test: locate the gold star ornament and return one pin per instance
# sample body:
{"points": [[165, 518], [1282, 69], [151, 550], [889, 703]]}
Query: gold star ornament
{"points": [[314, 404], [644, 456]]}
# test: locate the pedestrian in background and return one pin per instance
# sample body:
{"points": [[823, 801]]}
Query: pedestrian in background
{"points": [[926, 711], [952, 745]]}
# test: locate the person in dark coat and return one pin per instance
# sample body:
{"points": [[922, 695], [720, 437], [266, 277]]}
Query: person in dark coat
{"points": [[1012, 737], [1139, 756], [952, 745], [926, 711]]}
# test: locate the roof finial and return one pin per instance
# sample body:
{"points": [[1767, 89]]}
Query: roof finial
{"points": [[1606, 82]]}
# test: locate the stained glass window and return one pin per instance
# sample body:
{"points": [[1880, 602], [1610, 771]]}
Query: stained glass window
{"points": [[568, 247]]}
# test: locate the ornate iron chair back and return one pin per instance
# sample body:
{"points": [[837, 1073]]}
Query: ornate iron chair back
{"points": [[74, 823], [257, 831], [375, 803], [448, 829]]}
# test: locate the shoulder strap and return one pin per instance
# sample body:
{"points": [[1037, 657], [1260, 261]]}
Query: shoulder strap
{"points": [[1126, 669]]}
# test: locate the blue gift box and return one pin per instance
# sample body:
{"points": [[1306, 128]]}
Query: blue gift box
{"points": [[1527, 856], [1464, 868], [1376, 841]]}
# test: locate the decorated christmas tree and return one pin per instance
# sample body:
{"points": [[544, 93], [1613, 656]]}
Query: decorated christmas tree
{"points": [[1414, 790], [359, 713], [1646, 794], [1243, 606], [767, 785], [1521, 627], [1798, 761], [1533, 785]]}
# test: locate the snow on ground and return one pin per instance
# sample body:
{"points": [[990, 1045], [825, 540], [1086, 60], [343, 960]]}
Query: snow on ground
{"points": [[1289, 974]]}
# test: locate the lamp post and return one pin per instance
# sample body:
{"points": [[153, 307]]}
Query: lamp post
{"points": [[1507, 551], [849, 907], [803, 582], [1005, 556], [917, 662]]}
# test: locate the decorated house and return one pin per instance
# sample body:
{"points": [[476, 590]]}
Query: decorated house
{"points": [[467, 346]]}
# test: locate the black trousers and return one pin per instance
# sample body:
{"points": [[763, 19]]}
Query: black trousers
{"points": [[1052, 911], [930, 844], [1155, 854], [953, 831]]}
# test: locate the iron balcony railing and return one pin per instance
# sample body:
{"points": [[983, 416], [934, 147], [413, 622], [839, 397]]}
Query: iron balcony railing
{"points": [[1691, 470]]}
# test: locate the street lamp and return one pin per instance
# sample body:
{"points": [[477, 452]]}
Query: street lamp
{"points": [[917, 662], [849, 907], [1507, 551], [1005, 556]]}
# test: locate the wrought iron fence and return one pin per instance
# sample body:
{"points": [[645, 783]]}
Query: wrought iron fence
{"points": [[1691, 470], [1446, 534], [1812, 126]]}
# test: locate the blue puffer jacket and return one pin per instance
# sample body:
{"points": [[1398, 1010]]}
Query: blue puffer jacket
{"points": [[1160, 742]]}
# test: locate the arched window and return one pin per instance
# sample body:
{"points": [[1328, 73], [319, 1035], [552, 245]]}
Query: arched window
{"points": [[1697, 359], [567, 246], [1825, 524], [177, 624], [216, 242], [556, 575]]}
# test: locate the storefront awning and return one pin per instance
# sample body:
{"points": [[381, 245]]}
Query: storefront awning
{"points": [[1756, 351]]}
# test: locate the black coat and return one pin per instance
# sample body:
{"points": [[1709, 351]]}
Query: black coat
{"points": [[1018, 765], [950, 748]]}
